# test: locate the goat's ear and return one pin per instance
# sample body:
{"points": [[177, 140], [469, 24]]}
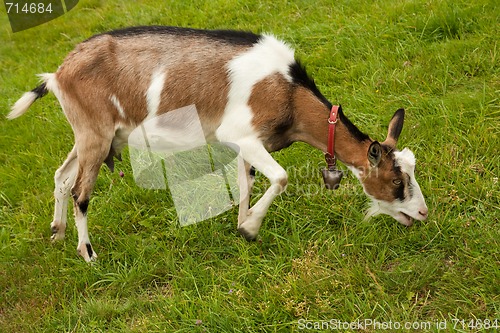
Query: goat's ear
{"points": [[395, 128], [375, 153]]}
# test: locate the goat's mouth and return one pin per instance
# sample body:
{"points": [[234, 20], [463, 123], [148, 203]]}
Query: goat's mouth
{"points": [[405, 219]]}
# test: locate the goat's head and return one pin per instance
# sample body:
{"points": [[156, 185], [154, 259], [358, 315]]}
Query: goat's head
{"points": [[388, 178]]}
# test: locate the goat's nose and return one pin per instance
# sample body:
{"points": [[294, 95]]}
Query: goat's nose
{"points": [[424, 212]]}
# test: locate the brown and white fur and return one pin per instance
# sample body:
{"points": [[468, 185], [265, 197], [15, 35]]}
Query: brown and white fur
{"points": [[248, 89]]}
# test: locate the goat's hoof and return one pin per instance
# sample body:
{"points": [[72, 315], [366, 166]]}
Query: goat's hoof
{"points": [[86, 251], [58, 230], [249, 236]]}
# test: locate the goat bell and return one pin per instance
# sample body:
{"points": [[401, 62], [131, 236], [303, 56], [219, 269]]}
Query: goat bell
{"points": [[332, 177]]}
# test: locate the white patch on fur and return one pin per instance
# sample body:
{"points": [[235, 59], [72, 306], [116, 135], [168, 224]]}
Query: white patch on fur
{"points": [[50, 83], [267, 57], [405, 159], [153, 95], [117, 105], [357, 172]]}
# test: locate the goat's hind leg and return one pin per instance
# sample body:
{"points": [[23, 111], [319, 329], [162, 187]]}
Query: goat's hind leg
{"points": [[64, 180], [92, 151]]}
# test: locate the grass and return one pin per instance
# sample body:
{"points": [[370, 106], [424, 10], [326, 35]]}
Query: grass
{"points": [[316, 259]]}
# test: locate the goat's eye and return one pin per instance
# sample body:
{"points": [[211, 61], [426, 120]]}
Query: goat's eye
{"points": [[396, 182]]}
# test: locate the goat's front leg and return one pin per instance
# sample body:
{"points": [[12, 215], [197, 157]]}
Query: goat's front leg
{"points": [[255, 154]]}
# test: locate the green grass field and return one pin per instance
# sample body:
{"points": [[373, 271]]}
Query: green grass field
{"points": [[316, 260]]}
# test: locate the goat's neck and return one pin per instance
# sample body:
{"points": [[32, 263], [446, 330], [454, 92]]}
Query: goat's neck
{"points": [[349, 149], [312, 128]]}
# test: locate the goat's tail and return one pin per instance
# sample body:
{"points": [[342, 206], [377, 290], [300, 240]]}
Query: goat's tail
{"points": [[23, 103]]}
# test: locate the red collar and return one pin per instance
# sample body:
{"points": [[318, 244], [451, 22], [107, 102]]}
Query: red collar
{"points": [[331, 175], [330, 152]]}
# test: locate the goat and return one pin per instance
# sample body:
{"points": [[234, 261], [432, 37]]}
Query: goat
{"points": [[249, 90]]}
